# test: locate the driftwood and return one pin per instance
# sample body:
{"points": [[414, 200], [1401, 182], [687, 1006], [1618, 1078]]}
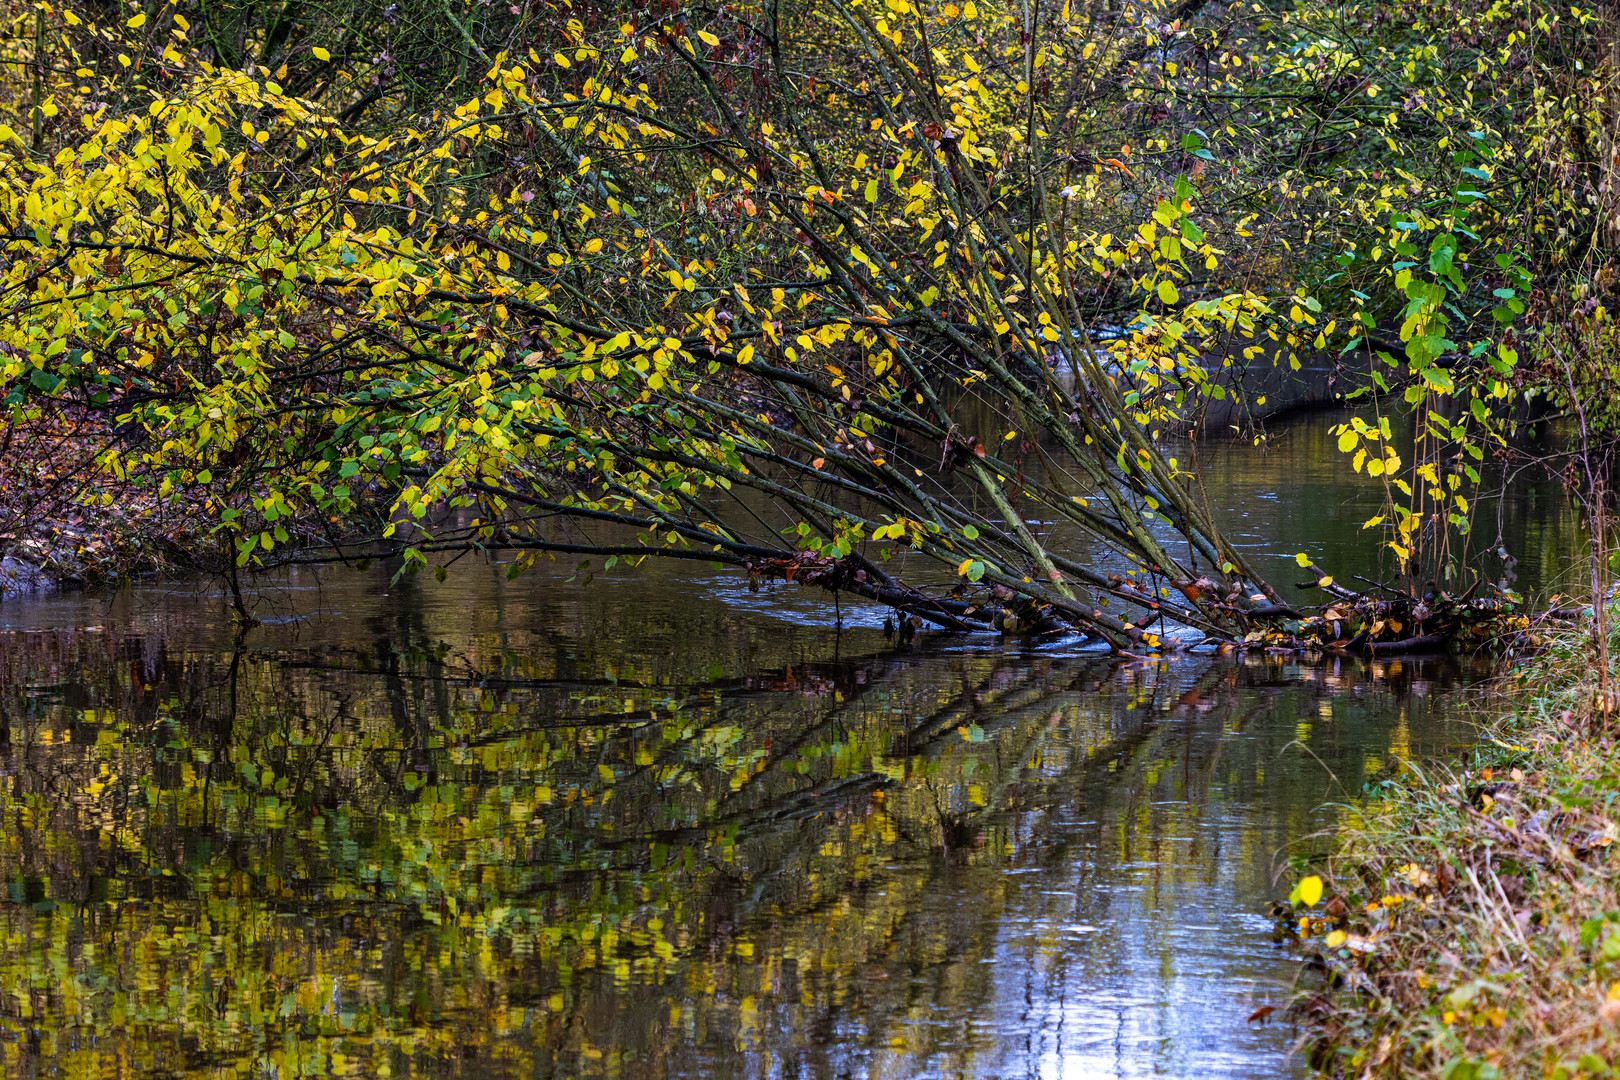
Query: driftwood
{"points": [[1424, 643]]}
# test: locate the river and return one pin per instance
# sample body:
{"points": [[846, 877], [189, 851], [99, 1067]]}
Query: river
{"points": [[659, 826]]}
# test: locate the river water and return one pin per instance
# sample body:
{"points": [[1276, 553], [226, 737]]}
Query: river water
{"points": [[659, 826]]}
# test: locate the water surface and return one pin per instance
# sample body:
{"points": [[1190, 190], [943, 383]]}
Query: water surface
{"points": [[662, 826]]}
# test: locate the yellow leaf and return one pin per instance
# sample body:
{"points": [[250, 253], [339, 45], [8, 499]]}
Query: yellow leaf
{"points": [[1335, 939], [593, 245], [708, 38], [1168, 293], [137, 22], [1303, 559], [1325, 581], [1348, 442], [871, 190], [961, 571], [503, 260], [320, 53], [1310, 890], [562, 61]]}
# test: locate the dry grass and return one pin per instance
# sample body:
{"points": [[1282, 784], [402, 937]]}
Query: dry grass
{"points": [[1471, 921]]}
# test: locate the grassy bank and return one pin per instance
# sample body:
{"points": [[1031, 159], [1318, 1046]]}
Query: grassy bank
{"points": [[1470, 919]]}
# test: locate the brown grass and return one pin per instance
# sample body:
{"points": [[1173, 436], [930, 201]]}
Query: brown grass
{"points": [[1471, 923]]}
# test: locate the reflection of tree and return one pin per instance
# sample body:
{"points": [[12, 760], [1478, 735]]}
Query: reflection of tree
{"points": [[508, 863]]}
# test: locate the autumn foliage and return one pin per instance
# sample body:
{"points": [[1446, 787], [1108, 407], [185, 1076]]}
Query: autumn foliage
{"points": [[838, 291]]}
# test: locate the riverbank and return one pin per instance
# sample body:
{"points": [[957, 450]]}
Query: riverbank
{"points": [[76, 547], [1470, 918]]}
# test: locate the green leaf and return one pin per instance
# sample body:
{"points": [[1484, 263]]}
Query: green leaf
{"points": [[1439, 378]]}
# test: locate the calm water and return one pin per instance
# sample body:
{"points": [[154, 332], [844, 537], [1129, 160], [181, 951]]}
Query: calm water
{"points": [[660, 826]]}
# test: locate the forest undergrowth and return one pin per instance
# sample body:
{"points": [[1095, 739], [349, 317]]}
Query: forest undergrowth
{"points": [[1468, 924]]}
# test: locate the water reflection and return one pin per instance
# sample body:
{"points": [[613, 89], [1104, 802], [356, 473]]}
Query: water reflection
{"points": [[491, 829]]}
